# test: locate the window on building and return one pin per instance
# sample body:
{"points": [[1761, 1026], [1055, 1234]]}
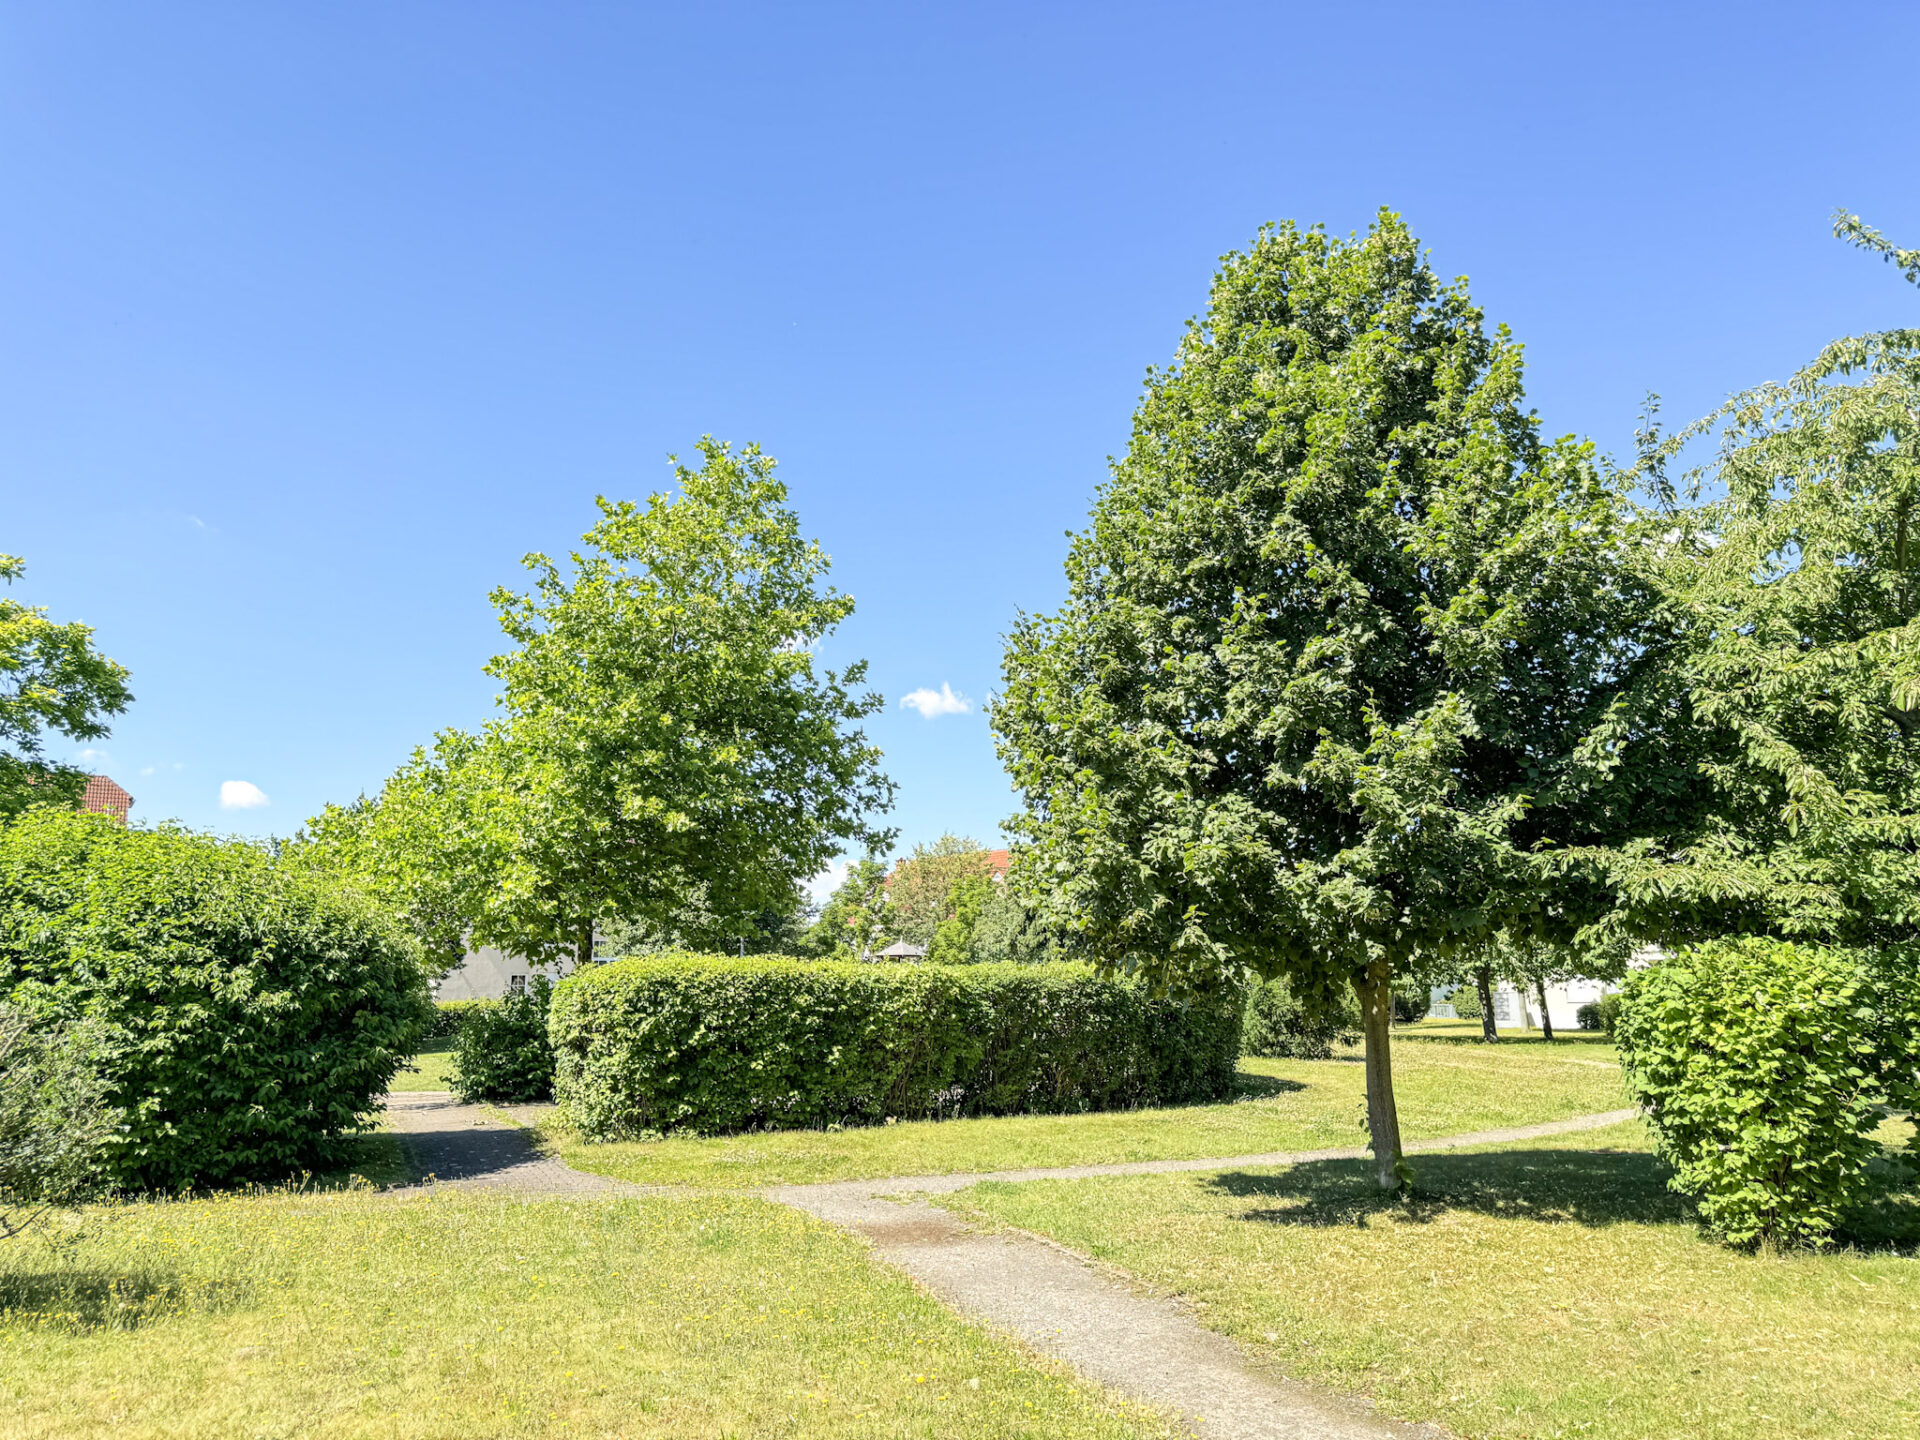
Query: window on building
{"points": [[516, 984]]}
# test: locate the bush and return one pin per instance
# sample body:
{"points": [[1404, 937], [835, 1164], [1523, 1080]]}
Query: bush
{"points": [[1764, 1068], [1411, 1001], [1601, 1014], [1280, 1023], [250, 1016], [1465, 1000], [502, 1052], [54, 1119], [450, 1016], [708, 1044]]}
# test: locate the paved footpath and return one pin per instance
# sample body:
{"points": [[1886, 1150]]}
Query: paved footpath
{"points": [[1148, 1349]]}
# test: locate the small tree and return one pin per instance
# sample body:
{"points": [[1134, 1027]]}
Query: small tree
{"points": [[51, 679], [669, 738], [1332, 643]]}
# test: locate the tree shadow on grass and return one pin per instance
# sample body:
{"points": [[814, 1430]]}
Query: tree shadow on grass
{"points": [[78, 1301], [1582, 1187], [1576, 1187], [1249, 1086]]}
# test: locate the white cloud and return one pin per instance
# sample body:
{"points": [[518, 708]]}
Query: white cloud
{"points": [[936, 702], [241, 795], [146, 769], [91, 756]]}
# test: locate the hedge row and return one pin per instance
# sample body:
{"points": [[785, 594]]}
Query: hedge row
{"points": [[250, 1016], [707, 1045], [450, 1017]]}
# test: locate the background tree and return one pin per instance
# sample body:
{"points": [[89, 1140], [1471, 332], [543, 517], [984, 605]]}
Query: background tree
{"points": [[668, 738], [1333, 638], [854, 920], [51, 679], [1794, 555], [920, 891]]}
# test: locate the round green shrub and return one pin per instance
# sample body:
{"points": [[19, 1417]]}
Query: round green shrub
{"points": [[450, 1015], [502, 1051], [1282, 1024], [250, 1016], [1765, 1068], [707, 1044], [1599, 1014]]}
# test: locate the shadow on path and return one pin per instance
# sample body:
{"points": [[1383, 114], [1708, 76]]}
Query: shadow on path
{"points": [[468, 1146]]}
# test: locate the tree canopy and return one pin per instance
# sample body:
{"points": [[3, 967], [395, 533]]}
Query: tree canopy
{"points": [[1793, 556], [668, 742], [1333, 637], [51, 680]]}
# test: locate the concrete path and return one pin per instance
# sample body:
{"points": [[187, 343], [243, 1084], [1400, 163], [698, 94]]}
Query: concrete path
{"points": [[1151, 1350], [467, 1147]]}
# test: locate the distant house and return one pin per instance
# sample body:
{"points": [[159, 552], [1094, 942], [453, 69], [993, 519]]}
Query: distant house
{"points": [[899, 950], [1521, 1009], [103, 797], [490, 974]]}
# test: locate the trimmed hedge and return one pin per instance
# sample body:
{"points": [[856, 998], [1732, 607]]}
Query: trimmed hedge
{"points": [[708, 1044], [1601, 1014], [451, 1016], [1279, 1023], [1765, 1069], [250, 1015], [502, 1051]]}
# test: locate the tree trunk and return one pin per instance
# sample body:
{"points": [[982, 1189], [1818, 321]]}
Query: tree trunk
{"points": [[1374, 986], [583, 946], [1546, 1020], [1483, 981]]}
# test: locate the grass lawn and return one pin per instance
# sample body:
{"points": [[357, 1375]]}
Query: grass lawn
{"points": [[464, 1315], [1524, 1291], [432, 1068], [1445, 1084]]}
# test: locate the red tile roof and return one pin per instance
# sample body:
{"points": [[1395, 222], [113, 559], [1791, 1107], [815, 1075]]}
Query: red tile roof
{"points": [[103, 797]]}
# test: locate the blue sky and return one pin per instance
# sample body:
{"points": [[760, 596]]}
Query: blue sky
{"points": [[314, 319]]}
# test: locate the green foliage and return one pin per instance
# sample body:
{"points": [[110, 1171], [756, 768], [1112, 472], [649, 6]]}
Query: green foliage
{"points": [[250, 1016], [953, 942], [1280, 1023], [669, 743], [920, 893], [1333, 641], [54, 1118], [1765, 1068], [1465, 1000], [1602, 1014], [503, 1052], [709, 1045], [51, 679], [855, 918], [450, 1017], [1798, 579]]}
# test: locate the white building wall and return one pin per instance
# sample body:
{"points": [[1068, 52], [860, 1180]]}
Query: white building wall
{"points": [[489, 974]]}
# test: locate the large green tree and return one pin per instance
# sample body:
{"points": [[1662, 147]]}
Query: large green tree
{"points": [[1333, 639], [51, 680], [668, 742], [1794, 555]]}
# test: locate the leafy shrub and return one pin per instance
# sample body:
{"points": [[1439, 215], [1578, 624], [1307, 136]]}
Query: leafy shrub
{"points": [[708, 1044], [502, 1052], [1601, 1014], [1465, 1000], [1281, 1023], [250, 1015], [450, 1016], [1411, 1001], [54, 1119], [1764, 1067]]}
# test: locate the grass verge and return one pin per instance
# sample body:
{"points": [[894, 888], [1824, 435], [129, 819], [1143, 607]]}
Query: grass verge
{"points": [[1522, 1291], [455, 1315], [432, 1068], [1444, 1087]]}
